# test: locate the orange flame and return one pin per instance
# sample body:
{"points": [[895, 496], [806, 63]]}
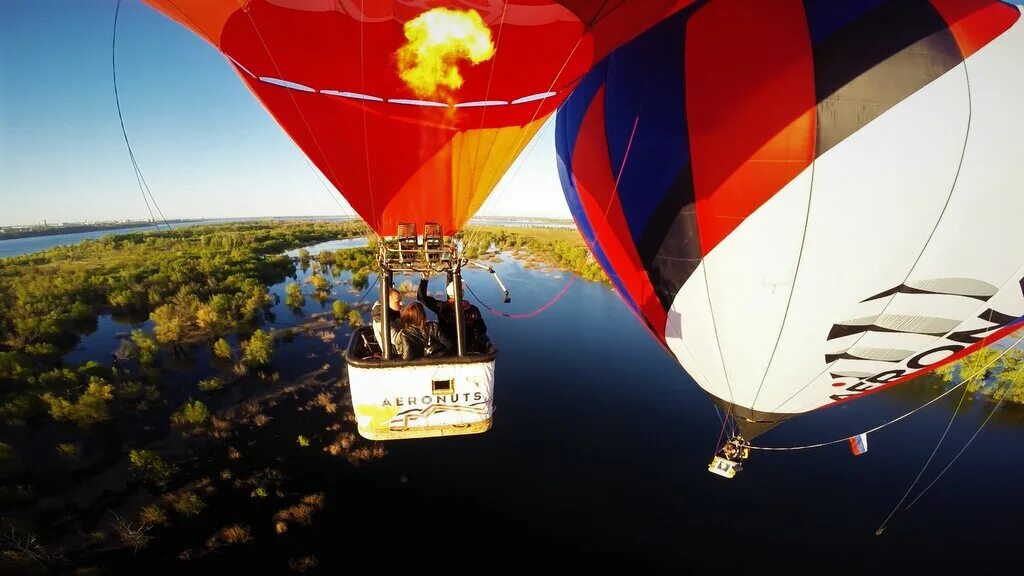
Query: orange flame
{"points": [[437, 40]]}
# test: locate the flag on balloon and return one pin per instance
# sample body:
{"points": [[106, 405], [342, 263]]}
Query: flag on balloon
{"points": [[859, 444]]}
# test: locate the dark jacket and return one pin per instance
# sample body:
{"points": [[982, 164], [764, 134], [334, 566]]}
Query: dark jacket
{"points": [[413, 342], [476, 329], [410, 342]]}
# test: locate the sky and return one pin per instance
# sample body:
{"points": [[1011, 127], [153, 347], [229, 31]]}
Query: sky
{"points": [[202, 141]]}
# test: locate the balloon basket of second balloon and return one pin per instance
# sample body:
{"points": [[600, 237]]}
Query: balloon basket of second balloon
{"points": [[399, 399]]}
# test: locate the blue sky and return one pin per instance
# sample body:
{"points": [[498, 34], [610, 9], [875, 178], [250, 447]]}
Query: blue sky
{"points": [[204, 144]]}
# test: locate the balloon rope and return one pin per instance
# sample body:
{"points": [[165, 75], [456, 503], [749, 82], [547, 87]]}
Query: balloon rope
{"points": [[895, 420], [962, 450], [718, 443], [927, 462], [547, 305], [139, 178], [305, 121]]}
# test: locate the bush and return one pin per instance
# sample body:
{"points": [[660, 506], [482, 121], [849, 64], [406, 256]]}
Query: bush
{"points": [[88, 409], [211, 384], [221, 349], [320, 284], [359, 280], [135, 391], [69, 450], [153, 515], [340, 310], [293, 296], [355, 319], [148, 465], [193, 413], [189, 504], [259, 350], [236, 534], [145, 347]]}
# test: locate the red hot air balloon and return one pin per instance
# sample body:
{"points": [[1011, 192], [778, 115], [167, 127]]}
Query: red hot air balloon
{"points": [[413, 109]]}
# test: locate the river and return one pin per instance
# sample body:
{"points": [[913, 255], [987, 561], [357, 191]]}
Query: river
{"points": [[597, 459]]}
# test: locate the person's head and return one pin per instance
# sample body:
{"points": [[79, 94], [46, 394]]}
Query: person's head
{"points": [[451, 290], [395, 299], [412, 315]]}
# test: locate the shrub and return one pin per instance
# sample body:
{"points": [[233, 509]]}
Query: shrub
{"points": [[355, 319], [148, 465], [189, 504], [259, 350], [145, 347], [153, 515], [211, 384], [221, 349], [69, 450], [340, 310], [193, 413], [88, 409], [235, 534]]}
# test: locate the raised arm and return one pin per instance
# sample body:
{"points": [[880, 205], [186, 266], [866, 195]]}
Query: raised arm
{"points": [[430, 302]]}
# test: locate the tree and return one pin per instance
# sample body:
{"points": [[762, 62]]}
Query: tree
{"points": [[293, 296], [977, 367], [193, 413], [221, 349], [320, 284], [215, 316], [88, 409], [148, 465], [259, 350], [1012, 376], [359, 280], [340, 310], [355, 319], [145, 347]]}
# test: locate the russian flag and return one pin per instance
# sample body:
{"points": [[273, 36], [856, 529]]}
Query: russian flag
{"points": [[859, 444]]}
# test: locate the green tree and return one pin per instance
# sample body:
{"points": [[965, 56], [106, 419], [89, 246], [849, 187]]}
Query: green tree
{"points": [[148, 465], [193, 413], [320, 284], [340, 310], [359, 280], [215, 316], [1011, 378], [189, 504], [177, 320], [258, 351], [88, 409], [977, 366], [355, 319], [145, 347], [293, 296], [221, 349], [211, 384]]}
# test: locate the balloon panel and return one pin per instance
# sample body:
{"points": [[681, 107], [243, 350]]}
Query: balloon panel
{"points": [[807, 201]]}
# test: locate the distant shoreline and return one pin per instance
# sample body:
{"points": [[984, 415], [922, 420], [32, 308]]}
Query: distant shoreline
{"points": [[41, 231], [20, 232]]}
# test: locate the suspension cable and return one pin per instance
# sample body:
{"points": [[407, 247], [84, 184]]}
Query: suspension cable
{"points": [[963, 381]]}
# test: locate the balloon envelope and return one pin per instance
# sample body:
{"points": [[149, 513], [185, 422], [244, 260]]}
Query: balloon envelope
{"points": [[328, 71], [807, 201]]}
